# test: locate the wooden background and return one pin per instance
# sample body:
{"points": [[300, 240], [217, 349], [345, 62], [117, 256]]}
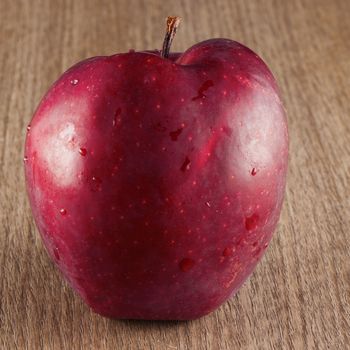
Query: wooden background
{"points": [[299, 296]]}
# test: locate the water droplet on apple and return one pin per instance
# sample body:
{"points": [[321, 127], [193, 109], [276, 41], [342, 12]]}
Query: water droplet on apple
{"points": [[96, 184], [56, 253], [25, 159], [28, 127], [186, 264], [254, 171], [63, 211], [186, 164], [251, 222], [227, 251], [74, 81], [175, 134], [117, 119], [83, 151], [207, 204], [204, 87]]}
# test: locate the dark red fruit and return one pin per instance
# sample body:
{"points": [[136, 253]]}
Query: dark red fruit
{"points": [[139, 174]]}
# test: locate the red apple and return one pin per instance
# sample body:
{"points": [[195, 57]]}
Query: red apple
{"points": [[156, 182]]}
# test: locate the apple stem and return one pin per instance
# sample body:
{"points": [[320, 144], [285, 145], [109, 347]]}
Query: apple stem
{"points": [[172, 23]]}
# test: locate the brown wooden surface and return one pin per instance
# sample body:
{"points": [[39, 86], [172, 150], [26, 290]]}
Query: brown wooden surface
{"points": [[299, 296]]}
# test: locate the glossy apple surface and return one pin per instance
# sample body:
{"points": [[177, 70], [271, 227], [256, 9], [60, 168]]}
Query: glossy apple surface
{"points": [[156, 183]]}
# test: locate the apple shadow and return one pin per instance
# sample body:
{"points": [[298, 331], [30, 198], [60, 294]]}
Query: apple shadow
{"points": [[150, 324]]}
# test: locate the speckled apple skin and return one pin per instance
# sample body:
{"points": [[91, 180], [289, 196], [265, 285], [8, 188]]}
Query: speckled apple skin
{"points": [[155, 183]]}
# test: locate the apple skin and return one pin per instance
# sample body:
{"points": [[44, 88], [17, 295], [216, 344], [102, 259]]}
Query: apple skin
{"points": [[155, 183]]}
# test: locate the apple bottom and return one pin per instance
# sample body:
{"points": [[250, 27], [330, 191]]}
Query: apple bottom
{"points": [[182, 300]]}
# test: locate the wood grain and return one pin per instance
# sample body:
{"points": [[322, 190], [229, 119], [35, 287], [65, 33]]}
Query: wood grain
{"points": [[298, 298]]}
